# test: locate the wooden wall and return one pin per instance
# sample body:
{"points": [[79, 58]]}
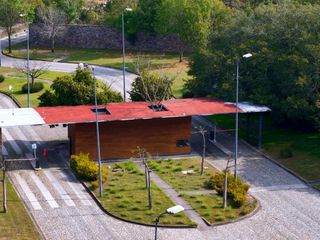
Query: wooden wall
{"points": [[119, 139]]}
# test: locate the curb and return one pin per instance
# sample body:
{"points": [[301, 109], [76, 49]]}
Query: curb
{"points": [[12, 97], [94, 197], [251, 214]]}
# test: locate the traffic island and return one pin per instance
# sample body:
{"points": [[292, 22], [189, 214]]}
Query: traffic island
{"points": [[184, 175], [125, 197]]}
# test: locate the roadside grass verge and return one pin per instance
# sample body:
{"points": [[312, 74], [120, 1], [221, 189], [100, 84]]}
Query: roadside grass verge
{"points": [[167, 63], [17, 80], [16, 223], [125, 196], [280, 143], [170, 171], [209, 206]]}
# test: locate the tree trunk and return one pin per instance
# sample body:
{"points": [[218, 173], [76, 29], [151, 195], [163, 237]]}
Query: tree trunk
{"points": [[52, 44], [203, 153], [32, 81], [9, 41], [181, 56]]}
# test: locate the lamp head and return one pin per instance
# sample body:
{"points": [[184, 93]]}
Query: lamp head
{"points": [[128, 9], [175, 209], [248, 55]]}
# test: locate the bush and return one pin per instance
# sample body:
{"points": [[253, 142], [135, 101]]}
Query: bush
{"points": [[86, 169], [2, 78], [286, 153], [36, 87], [236, 191]]}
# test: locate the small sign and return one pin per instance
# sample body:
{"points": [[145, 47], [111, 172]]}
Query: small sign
{"points": [[10, 87], [34, 146]]}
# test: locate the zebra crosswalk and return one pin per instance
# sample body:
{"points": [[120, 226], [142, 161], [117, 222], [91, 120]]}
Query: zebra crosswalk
{"points": [[50, 189]]}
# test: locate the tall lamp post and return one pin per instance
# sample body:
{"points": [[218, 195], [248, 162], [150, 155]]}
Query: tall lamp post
{"points": [[97, 132], [248, 55], [172, 210], [0, 51], [124, 54], [28, 61]]}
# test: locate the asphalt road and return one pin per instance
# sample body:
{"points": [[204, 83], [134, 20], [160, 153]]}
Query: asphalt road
{"points": [[111, 77]]}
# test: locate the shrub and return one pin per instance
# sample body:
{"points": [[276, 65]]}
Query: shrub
{"points": [[86, 169], [2, 78], [36, 87], [177, 169], [236, 189], [286, 153]]}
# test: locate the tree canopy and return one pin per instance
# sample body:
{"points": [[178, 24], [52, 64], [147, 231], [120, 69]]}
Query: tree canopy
{"points": [[284, 70], [77, 90]]}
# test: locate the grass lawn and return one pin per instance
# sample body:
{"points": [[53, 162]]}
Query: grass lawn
{"points": [[305, 149], [210, 208], [170, 172], [17, 80], [167, 63], [125, 196], [16, 223]]}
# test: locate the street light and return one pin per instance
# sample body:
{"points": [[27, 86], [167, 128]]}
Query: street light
{"points": [[97, 132], [173, 210], [248, 55], [28, 61], [124, 54]]}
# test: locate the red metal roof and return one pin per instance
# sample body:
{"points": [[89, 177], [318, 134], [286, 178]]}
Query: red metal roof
{"points": [[135, 110]]}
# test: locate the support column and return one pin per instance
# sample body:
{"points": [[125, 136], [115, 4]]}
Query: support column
{"points": [[248, 127], [260, 130]]}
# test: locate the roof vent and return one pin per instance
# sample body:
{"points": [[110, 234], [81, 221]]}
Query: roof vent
{"points": [[101, 111], [158, 107]]}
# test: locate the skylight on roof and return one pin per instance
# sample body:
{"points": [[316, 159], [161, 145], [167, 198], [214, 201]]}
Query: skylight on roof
{"points": [[101, 111]]}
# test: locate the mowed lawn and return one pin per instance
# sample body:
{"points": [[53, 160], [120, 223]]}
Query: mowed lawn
{"points": [[305, 147], [16, 223], [17, 80], [126, 196], [166, 63], [209, 206]]}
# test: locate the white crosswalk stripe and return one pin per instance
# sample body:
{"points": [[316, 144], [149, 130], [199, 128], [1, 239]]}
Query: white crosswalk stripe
{"points": [[76, 189], [55, 183], [33, 134], [4, 151], [23, 138], [44, 191], [25, 188], [11, 141]]}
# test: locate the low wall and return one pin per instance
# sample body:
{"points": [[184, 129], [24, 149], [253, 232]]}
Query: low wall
{"points": [[103, 37]]}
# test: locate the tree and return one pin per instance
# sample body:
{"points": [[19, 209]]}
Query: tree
{"points": [[190, 20], [37, 69], [52, 18], [10, 11], [77, 90], [284, 70]]}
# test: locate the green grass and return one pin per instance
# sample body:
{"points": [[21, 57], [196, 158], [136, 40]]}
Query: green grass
{"points": [[16, 223], [125, 196], [210, 208], [170, 172], [17, 80], [166, 63], [304, 146]]}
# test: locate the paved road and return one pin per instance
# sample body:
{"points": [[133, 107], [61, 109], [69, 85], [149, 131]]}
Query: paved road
{"points": [[111, 77]]}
